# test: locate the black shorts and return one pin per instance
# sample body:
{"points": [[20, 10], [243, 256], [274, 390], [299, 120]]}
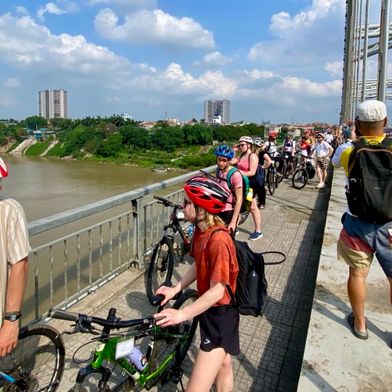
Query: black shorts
{"points": [[219, 328]]}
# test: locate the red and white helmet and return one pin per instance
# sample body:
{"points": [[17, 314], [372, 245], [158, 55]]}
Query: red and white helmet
{"points": [[3, 169], [273, 134], [206, 193]]}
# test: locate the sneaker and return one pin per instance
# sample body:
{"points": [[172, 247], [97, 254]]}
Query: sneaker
{"points": [[255, 235], [321, 185]]}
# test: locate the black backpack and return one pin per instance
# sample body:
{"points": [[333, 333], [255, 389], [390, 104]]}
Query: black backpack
{"points": [[251, 282], [369, 190]]}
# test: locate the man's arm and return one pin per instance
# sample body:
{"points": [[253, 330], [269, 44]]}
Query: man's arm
{"points": [[9, 330]]}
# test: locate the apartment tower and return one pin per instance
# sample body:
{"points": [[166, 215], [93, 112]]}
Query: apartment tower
{"points": [[217, 108], [53, 104]]}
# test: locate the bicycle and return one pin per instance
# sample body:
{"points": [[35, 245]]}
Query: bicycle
{"points": [[272, 178], [37, 362], [289, 164], [160, 269], [302, 175], [164, 348]]}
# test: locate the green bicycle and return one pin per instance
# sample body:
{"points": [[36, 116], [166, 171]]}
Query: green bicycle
{"points": [[159, 352]]}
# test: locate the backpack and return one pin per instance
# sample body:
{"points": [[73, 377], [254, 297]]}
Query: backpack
{"points": [[247, 192], [251, 282], [369, 190]]}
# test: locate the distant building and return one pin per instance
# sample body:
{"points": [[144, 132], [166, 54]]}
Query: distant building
{"points": [[53, 104], [215, 109]]}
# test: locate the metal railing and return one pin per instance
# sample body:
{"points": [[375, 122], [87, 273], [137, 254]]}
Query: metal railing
{"points": [[70, 266]]}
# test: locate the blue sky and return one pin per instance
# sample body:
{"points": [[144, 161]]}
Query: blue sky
{"points": [[277, 60]]}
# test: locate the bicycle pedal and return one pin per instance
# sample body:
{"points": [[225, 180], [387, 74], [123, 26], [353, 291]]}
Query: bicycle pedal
{"points": [[176, 375]]}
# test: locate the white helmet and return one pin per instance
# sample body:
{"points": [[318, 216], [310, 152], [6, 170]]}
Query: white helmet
{"points": [[246, 139], [3, 169]]}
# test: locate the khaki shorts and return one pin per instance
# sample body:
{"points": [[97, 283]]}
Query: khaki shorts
{"points": [[322, 163]]}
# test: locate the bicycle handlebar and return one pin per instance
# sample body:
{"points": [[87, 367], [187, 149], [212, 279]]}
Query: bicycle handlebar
{"points": [[111, 323], [166, 202]]}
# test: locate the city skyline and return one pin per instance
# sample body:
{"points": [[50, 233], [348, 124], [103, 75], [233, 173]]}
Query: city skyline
{"points": [[275, 61]]}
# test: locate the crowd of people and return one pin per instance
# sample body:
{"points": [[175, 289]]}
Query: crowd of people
{"points": [[215, 205]]}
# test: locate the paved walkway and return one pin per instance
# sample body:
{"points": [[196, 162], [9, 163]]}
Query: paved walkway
{"points": [[271, 346]]}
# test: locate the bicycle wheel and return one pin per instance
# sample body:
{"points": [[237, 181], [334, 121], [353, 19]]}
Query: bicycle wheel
{"points": [[37, 361], [271, 181], [300, 178], [281, 174], [180, 343], [161, 266]]}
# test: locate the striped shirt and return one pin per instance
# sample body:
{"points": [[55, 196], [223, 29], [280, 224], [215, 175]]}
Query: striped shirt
{"points": [[14, 242]]}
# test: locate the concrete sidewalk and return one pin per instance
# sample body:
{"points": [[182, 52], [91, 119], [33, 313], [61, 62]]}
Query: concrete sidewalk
{"points": [[335, 360]]}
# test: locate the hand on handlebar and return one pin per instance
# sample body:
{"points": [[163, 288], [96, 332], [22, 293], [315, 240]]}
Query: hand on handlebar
{"points": [[167, 292]]}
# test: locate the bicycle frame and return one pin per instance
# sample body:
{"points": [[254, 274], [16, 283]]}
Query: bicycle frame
{"points": [[20, 384], [106, 352]]}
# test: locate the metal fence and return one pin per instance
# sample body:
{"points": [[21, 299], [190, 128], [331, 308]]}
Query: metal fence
{"points": [[105, 238]]}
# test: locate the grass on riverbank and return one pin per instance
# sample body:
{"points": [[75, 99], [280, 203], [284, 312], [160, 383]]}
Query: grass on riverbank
{"points": [[37, 148]]}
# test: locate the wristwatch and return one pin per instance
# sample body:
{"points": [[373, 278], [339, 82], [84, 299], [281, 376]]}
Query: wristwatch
{"points": [[12, 316]]}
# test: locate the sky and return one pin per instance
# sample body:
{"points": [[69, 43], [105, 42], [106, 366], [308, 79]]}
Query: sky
{"points": [[278, 61]]}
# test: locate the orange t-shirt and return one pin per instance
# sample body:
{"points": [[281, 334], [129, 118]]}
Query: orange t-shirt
{"points": [[215, 260]]}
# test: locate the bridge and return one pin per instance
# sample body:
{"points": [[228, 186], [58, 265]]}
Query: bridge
{"points": [[302, 342]]}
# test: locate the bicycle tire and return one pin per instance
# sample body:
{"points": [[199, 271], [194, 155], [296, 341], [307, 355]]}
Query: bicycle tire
{"points": [[37, 360], [281, 174], [271, 182], [300, 178], [161, 266]]}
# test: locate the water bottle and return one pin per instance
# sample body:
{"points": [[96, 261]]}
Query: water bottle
{"points": [[190, 231], [137, 359], [249, 195]]}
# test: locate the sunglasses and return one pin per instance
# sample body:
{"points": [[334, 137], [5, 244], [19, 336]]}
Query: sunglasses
{"points": [[186, 202], [223, 160], [242, 144]]}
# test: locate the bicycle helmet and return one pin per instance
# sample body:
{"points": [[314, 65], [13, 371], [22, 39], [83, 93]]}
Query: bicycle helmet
{"points": [[3, 169], [224, 151], [273, 134], [246, 139], [258, 141], [206, 193]]}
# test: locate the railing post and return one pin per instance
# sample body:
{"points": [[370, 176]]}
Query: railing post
{"points": [[137, 245]]}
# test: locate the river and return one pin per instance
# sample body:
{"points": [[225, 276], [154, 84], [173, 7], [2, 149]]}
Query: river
{"points": [[46, 186]]}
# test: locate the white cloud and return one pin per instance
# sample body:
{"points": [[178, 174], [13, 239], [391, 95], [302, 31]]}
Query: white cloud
{"points": [[154, 27], [63, 7], [113, 99], [335, 68], [11, 82], [213, 59], [307, 37]]}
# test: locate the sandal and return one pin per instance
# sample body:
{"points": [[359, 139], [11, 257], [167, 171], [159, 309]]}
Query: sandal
{"points": [[356, 333]]}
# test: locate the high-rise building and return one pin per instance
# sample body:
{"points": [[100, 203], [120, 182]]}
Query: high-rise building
{"points": [[53, 104], [213, 109]]}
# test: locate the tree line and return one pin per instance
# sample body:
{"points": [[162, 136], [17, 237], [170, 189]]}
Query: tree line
{"points": [[113, 136]]}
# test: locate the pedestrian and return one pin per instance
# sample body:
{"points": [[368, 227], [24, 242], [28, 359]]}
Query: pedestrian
{"points": [[215, 266], [14, 250], [360, 238], [247, 162], [231, 212], [265, 162], [321, 154]]}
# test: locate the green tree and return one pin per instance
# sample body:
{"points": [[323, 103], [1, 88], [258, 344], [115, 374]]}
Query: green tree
{"points": [[35, 122], [112, 146], [135, 136]]}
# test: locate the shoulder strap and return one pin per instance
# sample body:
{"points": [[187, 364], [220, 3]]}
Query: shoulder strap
{"points": [[228, 177]]}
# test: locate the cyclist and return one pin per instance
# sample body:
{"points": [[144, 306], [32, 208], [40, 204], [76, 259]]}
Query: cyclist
{"points": [[247, 162], [14, 250], [289, 148], [265, 162], [230, 214], [271, 148], [215, 267]]}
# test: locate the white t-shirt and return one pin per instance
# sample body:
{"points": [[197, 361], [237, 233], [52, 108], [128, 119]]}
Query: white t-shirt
{"points": [[321, 149], [14, 242], [270, 148]]}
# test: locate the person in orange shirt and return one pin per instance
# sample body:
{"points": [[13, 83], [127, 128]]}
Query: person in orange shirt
{"points": [[215, 266]]}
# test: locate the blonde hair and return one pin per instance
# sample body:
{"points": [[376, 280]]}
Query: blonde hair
{"points": [[209, 219]]}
